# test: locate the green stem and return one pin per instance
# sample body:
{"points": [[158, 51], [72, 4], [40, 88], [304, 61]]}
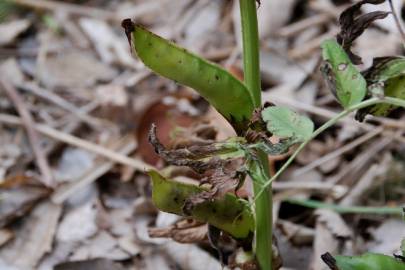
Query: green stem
{"points": [[251, 65], [331, 122], [263, 213], [348, 209], [250, 38]]}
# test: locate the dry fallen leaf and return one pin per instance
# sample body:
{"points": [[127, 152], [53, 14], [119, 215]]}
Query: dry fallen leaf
{"points": [[5, 236], [11, 30], [111, 47], [78, 224], [183, 231], [34, 239], [94, 264], [190, 256], [102, 245], [17, 201], [387, 237], [74, 69], [72, 164], [331, 234]]}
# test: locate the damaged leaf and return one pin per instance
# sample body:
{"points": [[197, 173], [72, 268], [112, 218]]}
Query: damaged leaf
{"points": [[352, 25], [229, 213], [393, 88], [220, 164], [198, 157], [183, 231], [387, 73], [287, 124], [368, 261], [211, 81], [343, 78]]}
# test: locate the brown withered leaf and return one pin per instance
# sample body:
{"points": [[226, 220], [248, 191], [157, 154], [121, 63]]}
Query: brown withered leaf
{"points": [[222, 175], [352, 25], [19, 197], [177, 157], [168, 117], [187, 156], [225, 177], [183, 231]]}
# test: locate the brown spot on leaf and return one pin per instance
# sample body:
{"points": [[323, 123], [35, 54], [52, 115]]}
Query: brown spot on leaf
{"points": [[342, 66]]}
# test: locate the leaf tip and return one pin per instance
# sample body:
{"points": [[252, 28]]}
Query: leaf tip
{"points": [[129, 27]]}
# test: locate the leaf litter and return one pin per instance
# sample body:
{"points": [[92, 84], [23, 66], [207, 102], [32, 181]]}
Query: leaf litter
{"points": [[94, 72]]}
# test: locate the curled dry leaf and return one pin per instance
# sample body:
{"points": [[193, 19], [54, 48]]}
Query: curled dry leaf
{"points": [[178, 157], [18, 198], [169, 119], [183, 231], [353, 25], [74, 69], [11, 30], [223, 175], [35, 237]]}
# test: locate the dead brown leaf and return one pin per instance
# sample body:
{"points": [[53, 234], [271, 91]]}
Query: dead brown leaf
{"points": [[74, 69], [183, 231], [353, 25]]}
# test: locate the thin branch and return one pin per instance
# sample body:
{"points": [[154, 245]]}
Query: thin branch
{"points": [[68, 8], [28, 123], [347, 209], [75, 141], [124, 147], [67, 106], [398, 23], [339, 151]]}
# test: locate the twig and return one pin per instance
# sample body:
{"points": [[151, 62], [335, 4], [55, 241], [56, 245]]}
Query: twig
{"points": [[302, 185], [306, 49], [295, 28], [69, 8], [28, 123], [124, 147], [55, 99], [401, 31], [339, 151], [359, 164], [75, 141], [348, 209], [365, 182]]}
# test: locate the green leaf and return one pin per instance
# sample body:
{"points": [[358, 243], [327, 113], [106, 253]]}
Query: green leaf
{"points": [[389, 74], [229, 213], [287, 124], [345, 81], [368, 261], [385, 68], [223, 91]]}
